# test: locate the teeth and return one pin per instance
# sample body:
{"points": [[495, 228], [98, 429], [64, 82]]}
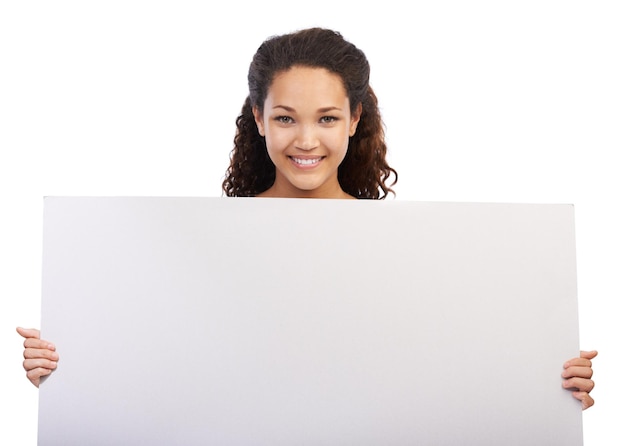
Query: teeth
{"points": [[306, 161]]}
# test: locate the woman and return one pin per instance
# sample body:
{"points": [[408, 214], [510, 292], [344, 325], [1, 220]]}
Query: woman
{"points": [[310, 128]]}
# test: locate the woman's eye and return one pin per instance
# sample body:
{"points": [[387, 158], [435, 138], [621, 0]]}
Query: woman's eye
{"points": [[328, 119], [283, 119]]}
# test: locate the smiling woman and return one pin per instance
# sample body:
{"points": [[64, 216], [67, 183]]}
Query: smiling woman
{"points": [[307, 123], [311, 125], [310, 128]]}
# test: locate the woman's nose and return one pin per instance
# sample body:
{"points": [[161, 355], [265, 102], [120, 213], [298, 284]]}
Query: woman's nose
{"points": [[307, 138]]}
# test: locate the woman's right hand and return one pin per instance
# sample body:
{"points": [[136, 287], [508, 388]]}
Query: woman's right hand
{"points": [[40, 356]]}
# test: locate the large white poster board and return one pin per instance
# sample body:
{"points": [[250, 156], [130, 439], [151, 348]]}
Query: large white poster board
{"points": [[198, 321]]}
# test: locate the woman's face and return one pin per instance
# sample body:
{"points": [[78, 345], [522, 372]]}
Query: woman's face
{"points": [[306, 122]]}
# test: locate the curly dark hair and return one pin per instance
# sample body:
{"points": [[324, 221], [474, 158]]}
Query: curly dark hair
{"points": [[364, 172]]}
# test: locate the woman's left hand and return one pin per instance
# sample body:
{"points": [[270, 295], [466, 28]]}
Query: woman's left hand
{"points": [[577, 375]]}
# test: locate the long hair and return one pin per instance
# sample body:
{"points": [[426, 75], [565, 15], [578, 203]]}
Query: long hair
{"points": [[364, 172]]}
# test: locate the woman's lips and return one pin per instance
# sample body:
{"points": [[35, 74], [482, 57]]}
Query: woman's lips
{"points": [[306, 163]]}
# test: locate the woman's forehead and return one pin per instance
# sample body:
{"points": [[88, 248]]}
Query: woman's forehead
{"points": [[307, 85]]}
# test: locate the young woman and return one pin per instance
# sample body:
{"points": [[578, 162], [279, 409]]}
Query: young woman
{"points": [[310, 128]]}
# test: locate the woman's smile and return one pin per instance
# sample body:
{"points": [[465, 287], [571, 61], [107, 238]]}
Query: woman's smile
{"points": [[306, 162]]}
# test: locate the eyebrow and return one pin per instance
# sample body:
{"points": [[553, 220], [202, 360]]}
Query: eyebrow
{"points": [[320, 110]]}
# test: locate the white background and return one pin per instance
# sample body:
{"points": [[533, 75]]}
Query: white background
{"points": [[483, 101]]}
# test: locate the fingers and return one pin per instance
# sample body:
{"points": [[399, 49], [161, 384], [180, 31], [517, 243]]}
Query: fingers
{"points": [[40, 353], [585, 399], [38, 344], [38, 363], [36, 375], [40, 356], [588, 354], [37, 369], [578, 371], [577, 375], [579, 384], [584, 361], [32, 339], [28, 332], [581, 388]]}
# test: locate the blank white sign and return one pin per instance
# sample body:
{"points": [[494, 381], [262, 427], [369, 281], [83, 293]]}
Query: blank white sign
{"points": [[248, 321]]}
